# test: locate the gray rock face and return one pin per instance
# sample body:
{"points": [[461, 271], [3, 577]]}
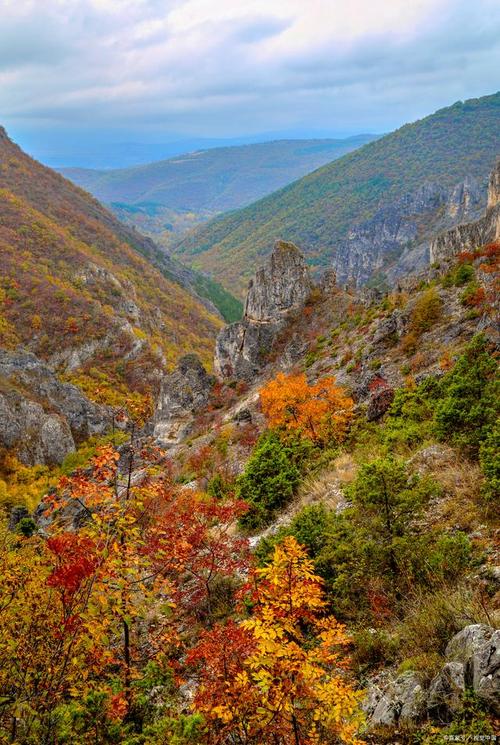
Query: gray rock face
{"points": [[477, 648], [41, 419], [182, 394], [483, 672], [282, 285], [328, 281], [446, 692], [473, 663], [396, 239], [468, 236], [241, 349], [467, 642], [401, 702]]}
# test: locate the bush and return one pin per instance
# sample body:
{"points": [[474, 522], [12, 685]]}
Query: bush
{"points": [[219, 487], [426, 311], [469, 404], [427, 665], [409, 420], [270, 480], [489, 458], [431, 619], [373, 647], [311, 528], [387, 499], [461, 275], [449, 557]]}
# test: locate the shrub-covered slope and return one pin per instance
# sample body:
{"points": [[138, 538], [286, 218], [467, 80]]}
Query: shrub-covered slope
{"points": [[75, 289], [318, 211], [400, 512]]}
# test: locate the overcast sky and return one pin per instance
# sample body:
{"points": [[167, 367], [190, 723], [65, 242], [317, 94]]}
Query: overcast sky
{"points": [[143, 69]]}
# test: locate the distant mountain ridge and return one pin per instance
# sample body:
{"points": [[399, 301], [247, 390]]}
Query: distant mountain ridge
{"points": [[328, 212], [173, 195]]}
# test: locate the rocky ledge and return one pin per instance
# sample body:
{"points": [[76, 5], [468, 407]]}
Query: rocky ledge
{"points": [[470, 235], [182, 394], [282, 285], [472, 663], [42, 419]]}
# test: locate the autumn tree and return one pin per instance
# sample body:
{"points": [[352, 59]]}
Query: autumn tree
{"points": [[93, 618], [319, 411], [279, 676], [49, 646]]}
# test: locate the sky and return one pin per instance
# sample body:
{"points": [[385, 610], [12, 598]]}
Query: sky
{"points": [[153, 70]]}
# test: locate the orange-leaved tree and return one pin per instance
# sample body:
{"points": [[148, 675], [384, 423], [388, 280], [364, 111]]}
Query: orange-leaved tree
{"points": [[319, 411], [279, 676]]}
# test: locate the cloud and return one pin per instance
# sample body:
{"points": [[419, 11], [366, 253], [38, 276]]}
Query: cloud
{"points": [[234, 66]]}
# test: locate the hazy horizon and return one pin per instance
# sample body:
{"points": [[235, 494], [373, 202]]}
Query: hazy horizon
{"points": [[85, 73]]}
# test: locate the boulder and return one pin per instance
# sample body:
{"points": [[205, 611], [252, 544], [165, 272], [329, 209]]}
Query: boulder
{"points": [[446, 691], [401, 702], [387, 329], [41, 418], [182, 394], [483, 672], [379, 402], [464, 644], [477, 647], [282, 285]]}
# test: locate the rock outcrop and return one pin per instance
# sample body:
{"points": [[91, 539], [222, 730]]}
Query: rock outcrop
{"points": [[446, 691], [280, 286], [477, 649], [182, 394], [401, 701], [472, 663], [42, 419], [468, 236], [395, 241]]}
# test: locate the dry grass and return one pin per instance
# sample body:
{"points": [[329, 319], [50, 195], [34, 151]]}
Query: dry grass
{"points": [[461, 503], [326, 487], [431, 620]]}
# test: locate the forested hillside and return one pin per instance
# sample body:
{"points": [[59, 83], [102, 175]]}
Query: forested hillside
{"points": [[319, 210], [170, 196], [311, 560]]}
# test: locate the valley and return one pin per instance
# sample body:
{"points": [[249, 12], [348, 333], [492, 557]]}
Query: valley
{"points": [[167, 198], [252, 498], [371, 213]]}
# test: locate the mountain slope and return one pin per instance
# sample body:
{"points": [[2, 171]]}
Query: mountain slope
{"points": [[76, 291], [163, 196], [214, 180], [318, 211]]}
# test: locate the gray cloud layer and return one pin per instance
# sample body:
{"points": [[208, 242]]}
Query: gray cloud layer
{"points": [[223, 67]]}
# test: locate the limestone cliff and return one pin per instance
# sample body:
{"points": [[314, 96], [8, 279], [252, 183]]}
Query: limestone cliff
{"points": [[280, 286], [470, 235], [395, 241]]}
